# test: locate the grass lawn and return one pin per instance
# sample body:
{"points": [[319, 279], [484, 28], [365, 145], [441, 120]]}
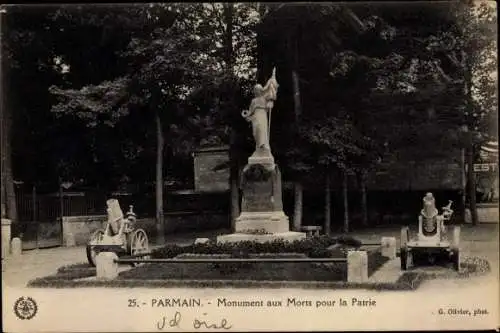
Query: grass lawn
{"points": [[69, 277], [251, 271]]}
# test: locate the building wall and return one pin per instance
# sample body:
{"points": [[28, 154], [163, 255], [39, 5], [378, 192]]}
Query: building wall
{"points": [[206, 179]]}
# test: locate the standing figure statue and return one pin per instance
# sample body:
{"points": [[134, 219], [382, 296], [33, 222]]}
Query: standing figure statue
{"points": [[259, 113]]}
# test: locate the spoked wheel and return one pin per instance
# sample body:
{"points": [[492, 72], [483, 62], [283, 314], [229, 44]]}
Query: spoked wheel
{"points": [[139, 243], [96, 238], [404, 250], [455, 258], [406, 259]]}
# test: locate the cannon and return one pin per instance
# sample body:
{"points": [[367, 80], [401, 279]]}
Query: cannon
{"points": [[119, 235], [432, 241]]}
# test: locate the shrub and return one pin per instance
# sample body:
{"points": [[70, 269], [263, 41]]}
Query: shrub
{"points": [[314, 247]]}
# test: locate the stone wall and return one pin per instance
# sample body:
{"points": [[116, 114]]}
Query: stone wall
{"points": [[488, 213], [6, 236], [416, 176], [77, 230], [195, 221], [205, 177]]}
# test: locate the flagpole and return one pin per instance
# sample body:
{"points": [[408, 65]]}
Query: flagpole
{"points": [[270, 108]]}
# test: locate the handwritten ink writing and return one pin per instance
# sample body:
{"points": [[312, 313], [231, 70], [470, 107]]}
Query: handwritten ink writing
{"points": [[174, 322], [197, 324]]}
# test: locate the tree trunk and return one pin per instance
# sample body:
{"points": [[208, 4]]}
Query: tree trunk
{"points": [[9, 208], [297, 207], [463, 163], [296, 96], [328, 204], [346, 202], [364, 201], [160, 228], [235, 202], [3, 130], [234, 181], [297, 108], [228, 36], [228, 11], [471, 180]]}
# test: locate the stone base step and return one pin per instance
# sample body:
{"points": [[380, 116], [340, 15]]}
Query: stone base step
{"points": [[261, 238]]}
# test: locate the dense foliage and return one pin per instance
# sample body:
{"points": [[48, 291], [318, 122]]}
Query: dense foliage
{"points": [[89, 84], [315, 247]]}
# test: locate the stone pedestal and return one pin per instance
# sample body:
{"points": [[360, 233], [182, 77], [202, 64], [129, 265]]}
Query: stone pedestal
{"points": [[106, 267], [6, 234], [289, 236], [202, 240], [69, 240], [388, 245], [357, 266], [312, 230], [262, 218], [16, 247], [488, 213]]}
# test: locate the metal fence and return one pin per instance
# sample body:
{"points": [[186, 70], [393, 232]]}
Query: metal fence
{"points": [[49, 207], [40, 214]]}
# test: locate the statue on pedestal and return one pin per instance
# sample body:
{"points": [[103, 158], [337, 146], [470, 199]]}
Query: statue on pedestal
{"points": [[259, 113]]}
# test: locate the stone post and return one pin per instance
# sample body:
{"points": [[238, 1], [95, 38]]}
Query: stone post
{"points": [[16, 247], [6, 234], [69, 239], [389, 247], [106, 267], [357, 266], [202, 241]]}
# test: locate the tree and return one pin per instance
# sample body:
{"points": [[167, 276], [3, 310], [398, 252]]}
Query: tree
{"points": [[384, 76], [287, 31], [237, 31], [471, 47], [232, 31], [7, 193], [325, 145], [463, 53], [165, 67], [66, 46]]}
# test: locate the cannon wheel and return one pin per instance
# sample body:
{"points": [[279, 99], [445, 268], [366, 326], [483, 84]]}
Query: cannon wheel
{"points": [[404, 251], [96, 238], [455, 247], [139, 242], [455, 257]]}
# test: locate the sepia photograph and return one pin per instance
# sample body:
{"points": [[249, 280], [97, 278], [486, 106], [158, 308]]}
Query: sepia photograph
{"points": [[272, 166]]}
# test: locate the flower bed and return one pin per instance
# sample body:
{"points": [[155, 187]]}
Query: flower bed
{"points": [[239, 271], [314, 247], [67, 277]]}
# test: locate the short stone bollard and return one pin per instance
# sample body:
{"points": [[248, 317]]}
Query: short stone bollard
{"points": [[357, 266], [69, 240], [201, 240], [311, 230], [106, 267], [6, 237], [389, 247], [467, 216], [16, 247]]}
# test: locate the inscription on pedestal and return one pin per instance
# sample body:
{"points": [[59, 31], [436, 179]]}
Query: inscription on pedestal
{"points": [[258, 197]]}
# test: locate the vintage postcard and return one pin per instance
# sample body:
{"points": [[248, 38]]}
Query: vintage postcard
{"points": [[181, 167]]}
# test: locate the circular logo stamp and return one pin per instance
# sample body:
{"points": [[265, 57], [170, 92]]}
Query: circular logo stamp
{"points": [[25, 308]]}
